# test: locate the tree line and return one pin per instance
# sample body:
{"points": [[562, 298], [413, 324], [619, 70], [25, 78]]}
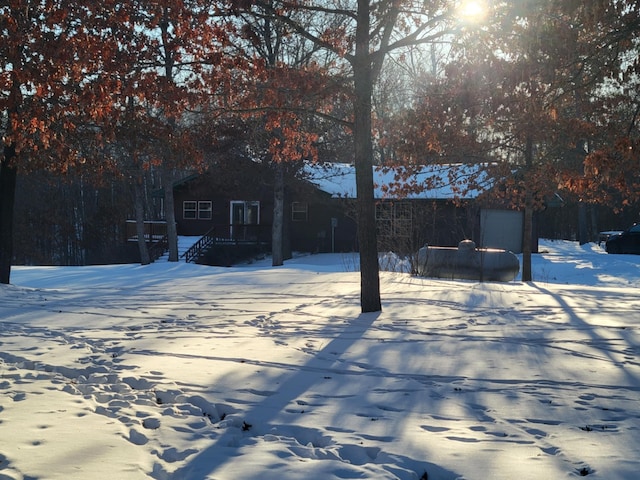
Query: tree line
{"points": [[543, 93]]}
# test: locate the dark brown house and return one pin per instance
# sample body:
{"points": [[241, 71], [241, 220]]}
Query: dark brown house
{"points": [[235, 206]]}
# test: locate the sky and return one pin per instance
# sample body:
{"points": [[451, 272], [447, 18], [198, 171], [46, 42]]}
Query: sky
{"points": [[180, 371]]}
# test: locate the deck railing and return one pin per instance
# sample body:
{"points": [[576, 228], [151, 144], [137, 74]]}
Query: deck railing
{"points": [[200, 247], [155, 234], [239, 235], [154, 230]]}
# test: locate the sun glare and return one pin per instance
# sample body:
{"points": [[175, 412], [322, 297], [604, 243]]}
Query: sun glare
{"points": [[472, 10]]}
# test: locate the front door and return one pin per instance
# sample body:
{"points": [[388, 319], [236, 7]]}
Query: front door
{"points": [[243, 214]]}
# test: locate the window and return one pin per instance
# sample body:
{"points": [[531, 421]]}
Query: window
{"points": [[192, 210], [402, 224], [204, 210], [245, 213], [299, 212], [394, 219], [189, 210], [384, 219]]}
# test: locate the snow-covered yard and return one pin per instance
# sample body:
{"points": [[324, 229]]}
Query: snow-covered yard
{"points": [[178, 371]]}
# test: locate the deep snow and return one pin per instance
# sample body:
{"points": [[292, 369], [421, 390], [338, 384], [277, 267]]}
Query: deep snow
{"points": [[178, 371]]}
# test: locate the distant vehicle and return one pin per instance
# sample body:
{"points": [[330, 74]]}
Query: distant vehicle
{"points": [[625, 242]]}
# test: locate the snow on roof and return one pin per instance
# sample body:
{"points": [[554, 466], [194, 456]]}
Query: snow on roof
{"points": [[446, 182]]}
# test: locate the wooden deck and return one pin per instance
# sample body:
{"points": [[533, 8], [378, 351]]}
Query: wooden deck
{"points": [[220, 245], [249, 238], [153, 230]]}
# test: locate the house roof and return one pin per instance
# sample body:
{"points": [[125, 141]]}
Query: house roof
{"points": [[439, 182]]}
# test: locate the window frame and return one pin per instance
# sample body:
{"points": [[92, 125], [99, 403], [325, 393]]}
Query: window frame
{"points": [[197, 209], [394, 219], [205, 209], [299, 212], [190, 212]]}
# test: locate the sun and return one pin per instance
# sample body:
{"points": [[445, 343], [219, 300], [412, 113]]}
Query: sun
{"points": [[472, 10]]}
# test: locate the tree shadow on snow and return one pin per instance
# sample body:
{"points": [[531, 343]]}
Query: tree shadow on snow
{"points": [[302, 379]]}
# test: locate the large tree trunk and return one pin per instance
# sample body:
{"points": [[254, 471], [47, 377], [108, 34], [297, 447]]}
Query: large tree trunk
{"points": [[167, 173], [363, 147], [145, 259], [170, 213], [277, 229], [8, 177]]}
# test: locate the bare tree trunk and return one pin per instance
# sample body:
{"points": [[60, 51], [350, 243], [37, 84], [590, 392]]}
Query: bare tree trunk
{"points": [[583, 229], [167, 172], [145, 259], [170, 213], [286, 231], [527, 233], [79, 225], [363, 147], [594, 233], [8, 178], [277, 229]]}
